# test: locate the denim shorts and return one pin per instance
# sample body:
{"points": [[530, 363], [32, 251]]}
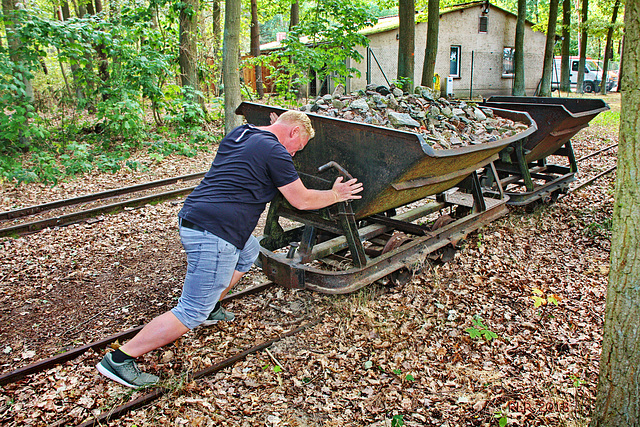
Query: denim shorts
{"points": [[211, 262]]}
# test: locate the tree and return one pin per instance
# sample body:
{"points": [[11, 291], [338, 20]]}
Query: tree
{"points": [[231, 64], [406, 43], [565, 77], [333, 33], [605, 65], [431, 50], [11, 23], [618, 400], [518, 81], [255, 46], [583, 46], [547, 68], [294, 17], [189, 49]]}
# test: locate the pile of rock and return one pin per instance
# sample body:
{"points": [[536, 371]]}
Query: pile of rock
{"points": [[443, 123]]}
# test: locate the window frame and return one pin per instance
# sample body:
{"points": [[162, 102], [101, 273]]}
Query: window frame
{"points": [[486, 26], [505, 74], [458, 49]]}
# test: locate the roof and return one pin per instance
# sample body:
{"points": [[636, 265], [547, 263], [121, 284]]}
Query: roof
{"points": [[393, 22], [390, 23]]}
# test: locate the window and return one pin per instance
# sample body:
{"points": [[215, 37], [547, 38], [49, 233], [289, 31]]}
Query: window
{"points": [[454, 62], [483, 25], [508, 62]]}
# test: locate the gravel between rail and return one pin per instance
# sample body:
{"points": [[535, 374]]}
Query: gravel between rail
{"points": [[404, 353]]}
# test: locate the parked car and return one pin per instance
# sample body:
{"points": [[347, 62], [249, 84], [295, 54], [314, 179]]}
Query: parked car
{"points": [[592, 74]]}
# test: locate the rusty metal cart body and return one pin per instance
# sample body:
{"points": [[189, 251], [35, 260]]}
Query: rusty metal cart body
{"points": [[523, 167], [346, 246]]}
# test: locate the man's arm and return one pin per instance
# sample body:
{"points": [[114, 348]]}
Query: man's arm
{"points": [[304, 198]]}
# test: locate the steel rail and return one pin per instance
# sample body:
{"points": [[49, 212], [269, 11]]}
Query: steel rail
{"points": [[31, 210], [591, 180], [76, 217], [596, 153], [158, 392], [18, 374]]}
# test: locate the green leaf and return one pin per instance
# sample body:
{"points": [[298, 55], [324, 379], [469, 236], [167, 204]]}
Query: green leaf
{"points": [[397, 371], [503, 421], [277, 369], [409, 377]]}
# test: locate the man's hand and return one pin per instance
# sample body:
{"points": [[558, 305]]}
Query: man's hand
{"points": [[273, 117], [348, 190]]}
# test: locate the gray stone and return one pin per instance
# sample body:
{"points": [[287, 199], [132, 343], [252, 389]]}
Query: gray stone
{"points": [[447, 112], [383, 90], [338, 91], [338, 103], [360, 104], [397, 92], [402, 119], [392, 102], [327, 98], [458, 112], [479, 115], [488, 112], [434, 111]]}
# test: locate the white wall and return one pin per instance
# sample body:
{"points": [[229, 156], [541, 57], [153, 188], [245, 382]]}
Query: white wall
{"points": [[461, 28]]}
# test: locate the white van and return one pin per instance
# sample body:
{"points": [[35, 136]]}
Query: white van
{"points": [[592, 74]]}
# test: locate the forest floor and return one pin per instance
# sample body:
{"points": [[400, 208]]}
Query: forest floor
{"points": [[379, 357]]}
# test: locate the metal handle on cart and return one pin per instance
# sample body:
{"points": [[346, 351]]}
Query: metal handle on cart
{"points": [[337, 167]]}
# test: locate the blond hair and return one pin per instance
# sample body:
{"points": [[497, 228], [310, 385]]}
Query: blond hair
{"points": [[298, 118]]}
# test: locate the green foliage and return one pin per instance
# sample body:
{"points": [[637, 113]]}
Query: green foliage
{"points": [[120, 65], [402, 83], [397, 421], [502, 418], [540, 299], [322, 43], [479, 330]]}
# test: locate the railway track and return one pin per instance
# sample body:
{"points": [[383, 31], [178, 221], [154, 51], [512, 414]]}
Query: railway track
{"points": [[9, 218], [84, 215], [28, 227]]}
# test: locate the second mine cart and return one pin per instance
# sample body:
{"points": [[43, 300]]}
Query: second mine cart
{"points": [[524, 170]]}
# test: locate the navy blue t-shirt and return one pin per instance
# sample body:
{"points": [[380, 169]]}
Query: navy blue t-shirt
{"points": [[245, 175]]}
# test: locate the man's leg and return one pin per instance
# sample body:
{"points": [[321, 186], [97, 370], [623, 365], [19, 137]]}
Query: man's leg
{"points": [[211, 263], [247, 257], [160, 331]]}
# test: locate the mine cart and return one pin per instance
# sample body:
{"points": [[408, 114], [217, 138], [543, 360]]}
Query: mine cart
{"points": [[415, 201], [524, 170]]}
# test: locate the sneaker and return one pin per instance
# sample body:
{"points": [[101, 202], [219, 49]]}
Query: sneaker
{"points": [[126, 373], [218, 315]]}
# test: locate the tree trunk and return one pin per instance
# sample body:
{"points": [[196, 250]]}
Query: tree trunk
{"points": [[103, 61], [188, 46], [618, 394], [547, 68], [14, 44], [406, 44], [433, 27], [231, 63], [255, 46], [66, 14], [565, 78], [518, 81], [294, 18], [605, 64], [583, 46], [217, 28], [621, 69]]}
